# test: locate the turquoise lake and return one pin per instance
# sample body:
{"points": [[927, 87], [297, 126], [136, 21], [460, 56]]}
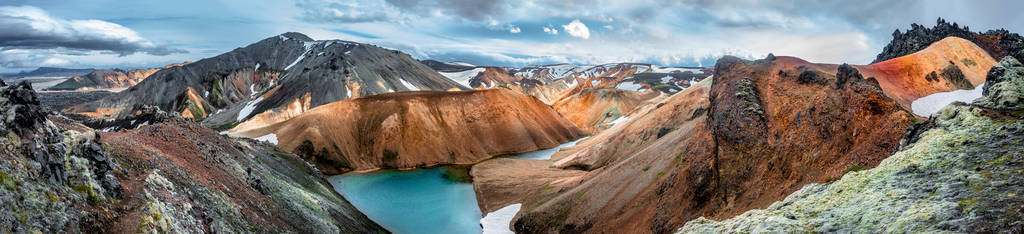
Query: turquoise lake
{"points": [[420, 201]]}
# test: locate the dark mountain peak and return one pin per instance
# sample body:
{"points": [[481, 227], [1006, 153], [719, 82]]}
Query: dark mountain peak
{"points": [[998, 43], [295, 35]]}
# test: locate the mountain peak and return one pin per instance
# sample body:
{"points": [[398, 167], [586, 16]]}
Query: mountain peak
{"points": [[295, 35]]}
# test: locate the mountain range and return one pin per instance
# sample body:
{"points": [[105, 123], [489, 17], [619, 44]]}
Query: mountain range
{"points": [[244, 142]]}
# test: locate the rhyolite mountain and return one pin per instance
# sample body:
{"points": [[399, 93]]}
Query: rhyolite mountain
{"points": [[957, 172], [282, 69], [754, 133], [174, 176], [108, 79], [409, 130], [998, 43]]}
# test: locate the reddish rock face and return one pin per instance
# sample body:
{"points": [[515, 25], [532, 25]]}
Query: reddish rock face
{"points": [[767, 130], [419, 129], [592, 109]]}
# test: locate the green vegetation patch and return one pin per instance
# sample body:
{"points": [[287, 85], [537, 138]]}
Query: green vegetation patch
{"points": [[8, 181]]}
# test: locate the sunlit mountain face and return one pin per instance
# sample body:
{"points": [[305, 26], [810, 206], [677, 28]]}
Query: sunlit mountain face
{"points": [[455, 116]]}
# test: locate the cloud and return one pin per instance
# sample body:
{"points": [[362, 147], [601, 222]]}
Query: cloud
{"points": [[28, 27], [476, 10], [577, 29], [358, 11], [515, 29], [551, 30], [20, 58]]}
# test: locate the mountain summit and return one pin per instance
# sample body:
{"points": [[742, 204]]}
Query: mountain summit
{"points": [[275, 71]]}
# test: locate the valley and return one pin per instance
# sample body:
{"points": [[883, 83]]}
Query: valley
{"points": [[285, 133]]}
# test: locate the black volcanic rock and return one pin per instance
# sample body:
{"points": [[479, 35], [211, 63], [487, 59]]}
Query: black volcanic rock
{"points": [[230, 87], [998, 43], [444, 67], [57, 176]]}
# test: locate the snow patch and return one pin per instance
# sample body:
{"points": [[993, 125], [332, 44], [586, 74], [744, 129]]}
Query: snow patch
{"points": [[463, 77], [462, 64], [249, 107], [408, 85], [595, 82], [500, 220], [927, 105], [257, 67], [621, 119], [629, 85], [666, 79], [657, 69], [269, 138]]}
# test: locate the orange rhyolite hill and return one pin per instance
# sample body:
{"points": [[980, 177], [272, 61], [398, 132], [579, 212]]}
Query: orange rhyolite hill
{"points": [[418, 129]]}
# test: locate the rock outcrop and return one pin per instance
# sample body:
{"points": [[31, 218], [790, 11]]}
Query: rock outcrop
{"points": [[946, 65], [108, 79], [416, 129], [272, 73], [961, 173], [175, 177], [997, 43], [756, 134]]}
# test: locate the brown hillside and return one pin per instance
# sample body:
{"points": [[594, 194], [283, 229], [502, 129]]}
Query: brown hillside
{"points": [[419, 129]]}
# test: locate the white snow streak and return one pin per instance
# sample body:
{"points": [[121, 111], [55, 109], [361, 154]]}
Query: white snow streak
{"points": [[463, 77], [927, 105], [499, 220]]}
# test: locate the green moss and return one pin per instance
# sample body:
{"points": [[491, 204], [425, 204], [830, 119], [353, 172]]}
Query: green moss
{"points": [[52, 196], [660, 174], [855, 167], [87, 191], [390, 156], [646, 168], [580, 195], [458, 174], [679, 156], [967, 204], [8, 181]]}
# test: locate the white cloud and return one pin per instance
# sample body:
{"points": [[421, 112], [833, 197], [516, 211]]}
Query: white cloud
{"points": [[551, 30], [577, 29], [609, 27], [28, 27], [514, 30]]}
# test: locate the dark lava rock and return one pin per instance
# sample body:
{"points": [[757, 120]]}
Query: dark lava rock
{"points": [[845, 75], [147, 115], [998, 43]]}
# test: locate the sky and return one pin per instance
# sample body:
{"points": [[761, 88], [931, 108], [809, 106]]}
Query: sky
{"points": [[138, 34]]}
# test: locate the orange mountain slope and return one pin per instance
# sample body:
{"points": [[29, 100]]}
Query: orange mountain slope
{"points": [[754, 134], [418, 129]]}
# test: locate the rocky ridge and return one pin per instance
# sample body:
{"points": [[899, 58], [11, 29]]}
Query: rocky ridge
{"points": [[108, 79], [998, 43], [757, 133], [176, 176], [268, 75], [958, 172]]}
